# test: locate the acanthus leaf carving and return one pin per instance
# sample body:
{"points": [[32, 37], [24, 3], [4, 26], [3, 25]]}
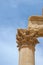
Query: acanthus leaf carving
{"points": [[27, 37]]}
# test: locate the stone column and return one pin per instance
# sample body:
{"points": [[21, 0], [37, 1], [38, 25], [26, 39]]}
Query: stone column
{"points": [[26, 55], [26, 45]]}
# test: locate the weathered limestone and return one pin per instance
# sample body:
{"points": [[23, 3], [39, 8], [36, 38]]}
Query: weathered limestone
{"points": [[27, 55], [27, 39], [26, 43], [36, 24]]}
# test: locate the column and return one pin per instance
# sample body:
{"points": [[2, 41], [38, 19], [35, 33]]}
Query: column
{"points": [[26, 46], [27, 55]]}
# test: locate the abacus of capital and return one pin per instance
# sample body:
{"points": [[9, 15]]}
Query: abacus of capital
{"points": [[27, 40]]}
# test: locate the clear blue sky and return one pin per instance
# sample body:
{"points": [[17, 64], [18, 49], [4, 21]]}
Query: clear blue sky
{"points": [[14, 14]]}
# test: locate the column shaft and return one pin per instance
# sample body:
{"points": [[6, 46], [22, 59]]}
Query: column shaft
{"points": [[26, 55]]}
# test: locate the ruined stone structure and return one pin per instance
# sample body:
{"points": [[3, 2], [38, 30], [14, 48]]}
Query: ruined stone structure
{"points": [[27, 40]]}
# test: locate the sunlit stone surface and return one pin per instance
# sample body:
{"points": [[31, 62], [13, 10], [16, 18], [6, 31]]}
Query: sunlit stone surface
{"points": [[36, 24], [27, 40]]}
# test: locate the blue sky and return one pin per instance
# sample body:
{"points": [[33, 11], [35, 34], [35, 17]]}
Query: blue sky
{"points": [[14, 14]]}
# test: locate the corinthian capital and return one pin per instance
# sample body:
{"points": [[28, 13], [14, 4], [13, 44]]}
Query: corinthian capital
{"points": [[26, 37]]}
